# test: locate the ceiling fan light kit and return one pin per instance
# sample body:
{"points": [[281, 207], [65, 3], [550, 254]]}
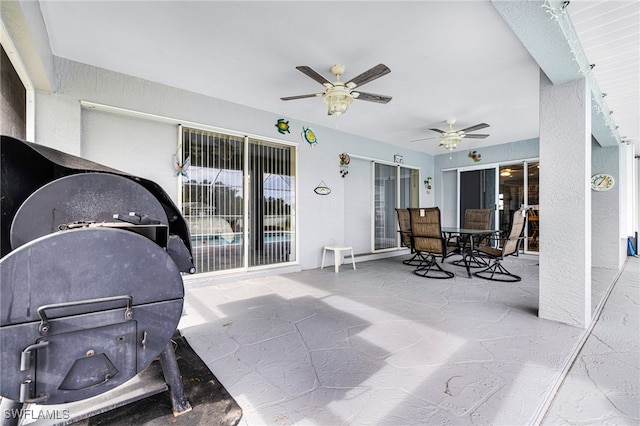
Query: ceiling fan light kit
{"points": [[450, 142], [337, 99]]}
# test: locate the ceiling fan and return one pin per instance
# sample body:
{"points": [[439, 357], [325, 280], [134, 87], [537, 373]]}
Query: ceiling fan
{"points": [[450, 138], [339, 95]]}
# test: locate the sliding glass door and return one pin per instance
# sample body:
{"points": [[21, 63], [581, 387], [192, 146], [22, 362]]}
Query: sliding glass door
{"points": [[518, 187], [533, 230], [394, 186], [505, 189], [238, 198], [272, 183], [385, 230], [477, 191], [212, 199], [511, 193]]}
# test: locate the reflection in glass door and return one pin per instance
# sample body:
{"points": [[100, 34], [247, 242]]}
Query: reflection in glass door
{"points": [[409, 187], [510, 195], [515, 188], [518, 187], [533, 240], [477, 191]]}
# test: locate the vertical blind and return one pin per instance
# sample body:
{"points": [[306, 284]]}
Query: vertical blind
{"points": [[271, 171]]}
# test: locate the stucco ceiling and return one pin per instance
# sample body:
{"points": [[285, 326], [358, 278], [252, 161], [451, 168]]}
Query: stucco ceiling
{"points": [[448, 59]]}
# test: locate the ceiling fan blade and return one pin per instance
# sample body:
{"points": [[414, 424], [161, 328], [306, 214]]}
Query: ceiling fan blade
{"points": [[423, 139], [475, 136], [369, 75], [290, 98], [309, 72], [371, 97], [476, 127], [437, 130]]}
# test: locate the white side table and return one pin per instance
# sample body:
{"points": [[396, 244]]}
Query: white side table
{"points": [[337, 254]]}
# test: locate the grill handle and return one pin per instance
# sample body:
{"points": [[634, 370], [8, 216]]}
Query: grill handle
{"points": [[25, 357], [44, 321]]}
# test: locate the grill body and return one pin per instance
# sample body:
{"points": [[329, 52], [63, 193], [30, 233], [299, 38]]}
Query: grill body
{"points": [[99, 304], [91, 289]]}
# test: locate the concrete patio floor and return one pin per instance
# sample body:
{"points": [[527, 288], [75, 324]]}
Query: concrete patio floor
{"points": [[382, 346]]}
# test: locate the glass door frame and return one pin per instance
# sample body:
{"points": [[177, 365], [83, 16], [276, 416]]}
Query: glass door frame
{"points": [[247, 138], [398, 187], [496, 166], [461, 170]]}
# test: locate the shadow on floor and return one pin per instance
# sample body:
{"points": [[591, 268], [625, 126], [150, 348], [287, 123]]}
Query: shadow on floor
{"points": [[211, 403]]}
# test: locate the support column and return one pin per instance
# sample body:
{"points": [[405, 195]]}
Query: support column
{"points": [[565, 202]]}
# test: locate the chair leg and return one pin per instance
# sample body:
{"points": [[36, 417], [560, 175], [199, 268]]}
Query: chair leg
{"points": [[451, 253], [497, 272], [473, 261], [415, 260], [430, 268]]}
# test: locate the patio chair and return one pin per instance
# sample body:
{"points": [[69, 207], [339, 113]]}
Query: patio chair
{"points": [[427, 239], [473, 219], [477, 218], [510, 247], [404, 225]]}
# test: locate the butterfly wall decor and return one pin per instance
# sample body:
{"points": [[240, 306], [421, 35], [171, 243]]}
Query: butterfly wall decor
{"points": [[181, 167]]}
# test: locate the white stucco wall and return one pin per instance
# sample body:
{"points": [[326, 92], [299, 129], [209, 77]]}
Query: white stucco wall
{"points": [[136, 146], [144, 145]]}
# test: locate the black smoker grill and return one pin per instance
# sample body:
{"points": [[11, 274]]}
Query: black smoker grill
{"points": [[90, 278]]}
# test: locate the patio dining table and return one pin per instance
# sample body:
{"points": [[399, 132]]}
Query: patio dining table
{"points": [[467, 249]]}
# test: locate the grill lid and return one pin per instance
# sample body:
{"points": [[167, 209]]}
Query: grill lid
{"points": [[86, 197]]}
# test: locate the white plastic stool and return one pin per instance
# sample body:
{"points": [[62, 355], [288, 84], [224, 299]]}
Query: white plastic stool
{"points": [[337, 251]]}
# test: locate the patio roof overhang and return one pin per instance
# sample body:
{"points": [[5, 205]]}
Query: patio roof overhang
{"points": [[545, 29]]}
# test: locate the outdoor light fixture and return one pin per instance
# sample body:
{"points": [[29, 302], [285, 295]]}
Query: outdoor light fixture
{"points": [[450, 142], [337, 100]]}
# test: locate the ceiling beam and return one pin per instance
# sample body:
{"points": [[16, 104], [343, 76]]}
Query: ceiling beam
{"points": [[24, 37]]}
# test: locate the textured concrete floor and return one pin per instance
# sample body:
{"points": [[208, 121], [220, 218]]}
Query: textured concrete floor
{"points": [[603, 386], [382, 346]]}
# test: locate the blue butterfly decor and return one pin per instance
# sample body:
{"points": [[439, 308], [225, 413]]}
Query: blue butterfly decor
{"points": [[181, 167]]}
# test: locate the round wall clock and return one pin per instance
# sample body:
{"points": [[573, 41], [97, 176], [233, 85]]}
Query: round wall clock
{"points": [[602, 182]]}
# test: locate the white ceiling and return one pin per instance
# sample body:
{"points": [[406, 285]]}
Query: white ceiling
{"points": [[448, 59], [609, 32]]}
